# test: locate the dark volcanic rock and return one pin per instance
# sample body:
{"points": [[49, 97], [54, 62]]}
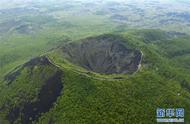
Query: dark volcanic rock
{"points": [[104, 54], [47, 96], [38, 61], [31, 110], [10, 77]]}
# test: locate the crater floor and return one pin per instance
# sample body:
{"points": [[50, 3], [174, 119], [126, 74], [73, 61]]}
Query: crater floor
{"points": [[103, 54]]}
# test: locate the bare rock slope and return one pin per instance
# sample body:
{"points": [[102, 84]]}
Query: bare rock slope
{"points": [[106, 54]]}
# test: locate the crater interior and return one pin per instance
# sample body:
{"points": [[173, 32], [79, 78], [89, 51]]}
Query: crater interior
{"points": [[104, 54]]}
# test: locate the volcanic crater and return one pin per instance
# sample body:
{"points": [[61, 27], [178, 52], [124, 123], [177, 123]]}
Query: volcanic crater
{"points": [[105, 54]]}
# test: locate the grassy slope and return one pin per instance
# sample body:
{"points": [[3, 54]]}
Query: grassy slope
{"points": [[156, 85], [89, 100], [24, 88], [17, 48], [54, 20]]}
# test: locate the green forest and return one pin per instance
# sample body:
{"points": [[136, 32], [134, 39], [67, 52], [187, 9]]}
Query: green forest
{"points": [[92, 62]]}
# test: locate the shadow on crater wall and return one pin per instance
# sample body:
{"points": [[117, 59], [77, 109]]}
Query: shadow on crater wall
{"points": [[103, 54]]}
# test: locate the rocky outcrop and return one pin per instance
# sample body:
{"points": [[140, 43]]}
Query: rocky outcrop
{"points": [[11, 76], [107, 54], [50, 87]]}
